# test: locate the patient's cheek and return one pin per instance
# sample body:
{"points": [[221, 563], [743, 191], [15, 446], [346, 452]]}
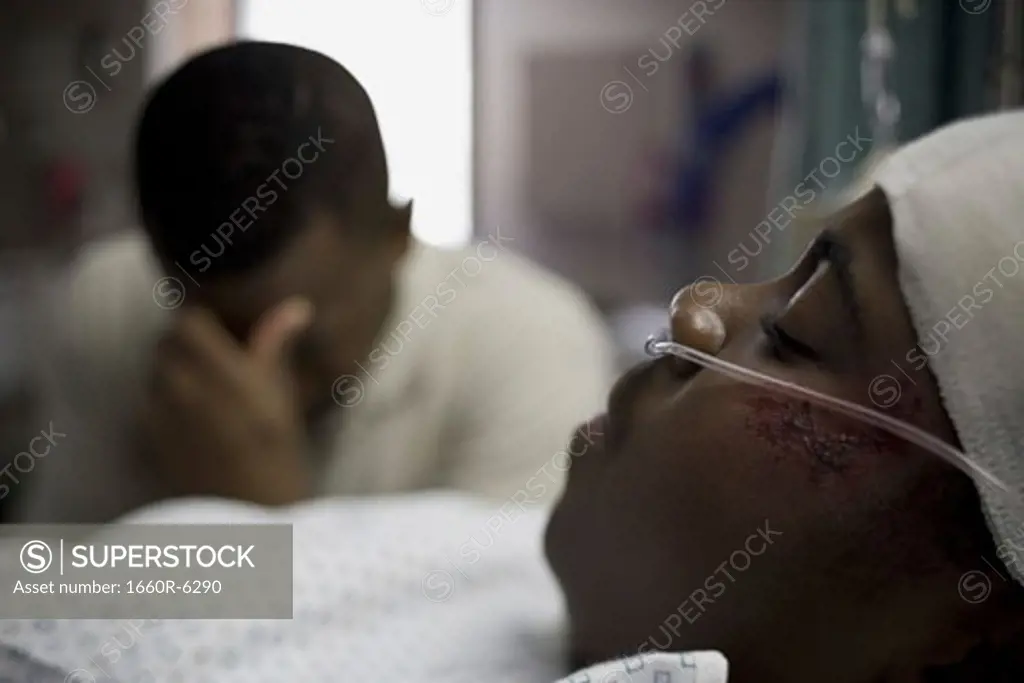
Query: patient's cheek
{"points": [[828, 442]]}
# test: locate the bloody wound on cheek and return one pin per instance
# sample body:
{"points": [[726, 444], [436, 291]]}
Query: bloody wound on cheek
{"points": [[835, 441]]}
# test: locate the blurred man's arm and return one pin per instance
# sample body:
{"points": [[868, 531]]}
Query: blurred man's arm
{"points": [[537, 360]]}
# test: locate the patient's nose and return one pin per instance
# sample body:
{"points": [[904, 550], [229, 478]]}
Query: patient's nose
{"points": [[705, 312], [696, 315]]}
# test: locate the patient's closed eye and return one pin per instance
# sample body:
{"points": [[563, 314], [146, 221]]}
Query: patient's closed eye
{"points": [[781, 343]]}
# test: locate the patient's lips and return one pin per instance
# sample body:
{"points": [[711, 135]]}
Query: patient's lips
{"points": [[597, 429], [589, 438]]}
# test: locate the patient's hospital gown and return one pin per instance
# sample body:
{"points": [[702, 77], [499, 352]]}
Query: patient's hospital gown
{"points": [[431, 588]]}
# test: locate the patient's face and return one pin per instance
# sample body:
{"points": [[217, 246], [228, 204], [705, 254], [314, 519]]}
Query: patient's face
{"points": [[716, 515]]}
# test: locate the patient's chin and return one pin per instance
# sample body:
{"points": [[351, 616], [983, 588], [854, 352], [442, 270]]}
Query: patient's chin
{"points": [[578, 660]]}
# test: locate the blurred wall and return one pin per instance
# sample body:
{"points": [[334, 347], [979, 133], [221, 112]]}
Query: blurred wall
{"points": [[55, 109], [540, 59], [73, 81], [199, 25]]}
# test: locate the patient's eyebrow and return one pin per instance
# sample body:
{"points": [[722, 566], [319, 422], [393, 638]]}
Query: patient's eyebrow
{"points": [[832, 249]]}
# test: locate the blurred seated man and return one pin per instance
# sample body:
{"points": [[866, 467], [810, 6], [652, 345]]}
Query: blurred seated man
{"points": [[275, 285]]}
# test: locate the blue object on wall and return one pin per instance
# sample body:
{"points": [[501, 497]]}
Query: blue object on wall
{"points": [[716, 125]]}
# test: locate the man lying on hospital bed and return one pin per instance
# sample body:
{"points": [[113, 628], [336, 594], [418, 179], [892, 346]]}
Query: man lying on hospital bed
{"points": [[701, 513], [261, 177]]}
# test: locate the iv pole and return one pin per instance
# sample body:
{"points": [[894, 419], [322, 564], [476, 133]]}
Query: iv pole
{"points": [[878, 51], [1010, 74]]}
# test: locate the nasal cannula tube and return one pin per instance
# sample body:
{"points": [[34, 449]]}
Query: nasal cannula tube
{"points": [[662, 345]]}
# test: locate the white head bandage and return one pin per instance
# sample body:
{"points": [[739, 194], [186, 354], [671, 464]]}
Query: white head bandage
{"points": [[957, 201]]}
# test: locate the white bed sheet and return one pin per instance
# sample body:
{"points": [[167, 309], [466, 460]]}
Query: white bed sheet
{"points": [[430, 588]]}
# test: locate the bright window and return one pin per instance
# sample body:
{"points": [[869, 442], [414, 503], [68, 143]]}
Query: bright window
{"points": [[414, 57]]}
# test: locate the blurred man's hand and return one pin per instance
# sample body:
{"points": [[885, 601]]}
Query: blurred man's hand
{"points": [[221, 419]]}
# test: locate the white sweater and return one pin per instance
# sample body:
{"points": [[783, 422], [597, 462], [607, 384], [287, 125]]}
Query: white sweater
{"points": [[480, 393]]}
